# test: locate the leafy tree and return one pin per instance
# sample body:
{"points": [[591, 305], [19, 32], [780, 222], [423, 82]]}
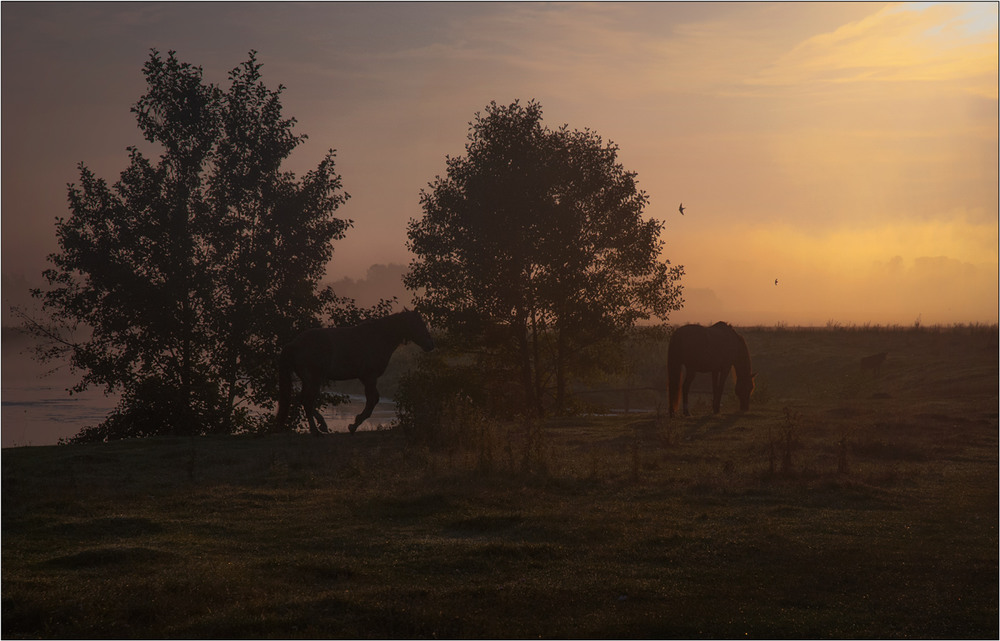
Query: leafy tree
{"points": [[533, 249], [188, 273]]}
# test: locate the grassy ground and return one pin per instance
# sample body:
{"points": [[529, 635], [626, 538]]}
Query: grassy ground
{"points": [[840, 506]]}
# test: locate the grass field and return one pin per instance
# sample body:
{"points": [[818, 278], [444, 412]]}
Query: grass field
{"points": [[840, 505]]}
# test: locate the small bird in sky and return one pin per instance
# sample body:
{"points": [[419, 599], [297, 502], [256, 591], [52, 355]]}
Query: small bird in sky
{"points": [[775, 282], [681, 209]]}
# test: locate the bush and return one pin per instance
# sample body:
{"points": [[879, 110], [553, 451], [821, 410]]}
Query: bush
{"points": [[154, 408], [431, 397]]}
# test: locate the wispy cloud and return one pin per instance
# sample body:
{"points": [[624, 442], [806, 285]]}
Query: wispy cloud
{"points": [[922, 42], [817, 139]]}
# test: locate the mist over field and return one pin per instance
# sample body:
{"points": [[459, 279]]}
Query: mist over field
{"points": [[225, 205], [842, 504], [846, 149]]}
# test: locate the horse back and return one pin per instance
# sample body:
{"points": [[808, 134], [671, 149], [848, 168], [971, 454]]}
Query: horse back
{"points": [[342, 353], [704, 349]]}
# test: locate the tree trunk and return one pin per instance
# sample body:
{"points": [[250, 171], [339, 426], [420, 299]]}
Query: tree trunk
{"points": [[560, 372], [536, 349], [187, 387], [527, 384]]}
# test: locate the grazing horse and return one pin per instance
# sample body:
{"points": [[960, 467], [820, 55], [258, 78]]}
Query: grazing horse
{"points": [[715, 349], [874, 363], [343, 353]]}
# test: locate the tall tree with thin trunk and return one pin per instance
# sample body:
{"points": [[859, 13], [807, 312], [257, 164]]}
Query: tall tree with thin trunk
{"points": [[187, 273], [534, 253]]}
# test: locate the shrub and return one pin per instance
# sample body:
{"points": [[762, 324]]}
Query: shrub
{"points": [[429, 396]]}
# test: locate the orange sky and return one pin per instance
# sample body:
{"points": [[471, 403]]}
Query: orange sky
{"points": [[847, 149]]}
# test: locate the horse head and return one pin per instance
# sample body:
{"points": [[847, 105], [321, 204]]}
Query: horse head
{"points": [[417, 330], [744, 386]]}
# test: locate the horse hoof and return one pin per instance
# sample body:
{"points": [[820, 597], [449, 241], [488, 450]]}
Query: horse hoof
{"points": [[352, 428]]}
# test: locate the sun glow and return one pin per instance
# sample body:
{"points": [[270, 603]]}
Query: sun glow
{"points": [[954, 42], [880, 274], [847, 149]]}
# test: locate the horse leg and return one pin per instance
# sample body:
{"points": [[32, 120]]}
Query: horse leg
{"points": [[309, 408], [310, 394], [322, 426], [688, 379], [371, 398], [718, 382]]}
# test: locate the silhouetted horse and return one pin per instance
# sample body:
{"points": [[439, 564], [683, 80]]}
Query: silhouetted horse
{"points": [[874, 363], [715, 349], [344, 353]]}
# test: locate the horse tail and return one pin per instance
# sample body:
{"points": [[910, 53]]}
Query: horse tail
{"points": [[674, 374], [285, 365]]}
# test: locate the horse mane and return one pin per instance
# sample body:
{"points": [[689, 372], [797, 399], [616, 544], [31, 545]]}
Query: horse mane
{"points": [[397, 324], [742, 355], [742, 363], [381, 320]]}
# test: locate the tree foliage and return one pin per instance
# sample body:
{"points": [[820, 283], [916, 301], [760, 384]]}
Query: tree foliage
{"points": [[187, 273], [533, 249]]}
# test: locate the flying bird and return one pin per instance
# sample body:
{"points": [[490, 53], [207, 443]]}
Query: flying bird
{"points": [[775, 282], [681, 209]]}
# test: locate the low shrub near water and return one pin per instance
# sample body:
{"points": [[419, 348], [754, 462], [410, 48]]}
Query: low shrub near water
{"points": [[463, 412], [430, 392]]}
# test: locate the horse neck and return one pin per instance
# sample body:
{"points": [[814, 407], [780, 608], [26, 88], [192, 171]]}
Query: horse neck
{"points": [[742, 364], [393, 326]]}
